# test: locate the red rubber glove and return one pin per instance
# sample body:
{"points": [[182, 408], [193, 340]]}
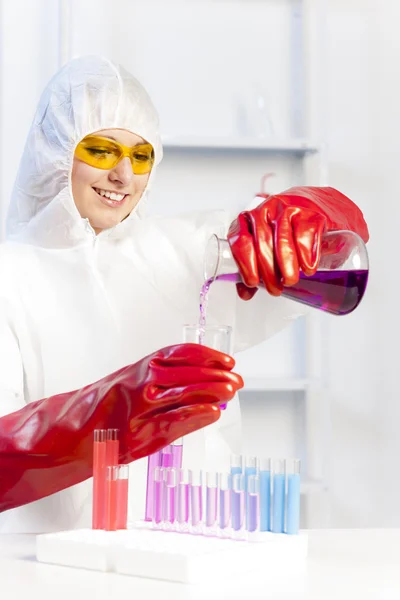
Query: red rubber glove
{"points": [[48, 445], [282, 236]]}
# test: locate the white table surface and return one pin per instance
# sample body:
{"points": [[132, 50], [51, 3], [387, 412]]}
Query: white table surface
{"points": [[342, 565]]}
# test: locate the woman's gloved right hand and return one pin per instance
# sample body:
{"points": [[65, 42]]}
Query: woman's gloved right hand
{"points": [[48, 445]]}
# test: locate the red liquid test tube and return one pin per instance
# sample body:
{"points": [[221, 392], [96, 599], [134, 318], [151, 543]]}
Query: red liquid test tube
{"points": [[122, 497], [112, 502], [112, 448], [99, 479]]}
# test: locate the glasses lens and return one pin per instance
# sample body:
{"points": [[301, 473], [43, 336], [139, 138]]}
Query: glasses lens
{"points": [[98, 152], [142, 159]]}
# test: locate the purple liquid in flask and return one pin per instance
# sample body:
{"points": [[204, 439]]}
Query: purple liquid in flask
{"points": [[337, 292]]}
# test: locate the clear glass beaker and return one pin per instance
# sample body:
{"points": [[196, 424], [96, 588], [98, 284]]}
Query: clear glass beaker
{"points": [[337, 287], [218, 337]]}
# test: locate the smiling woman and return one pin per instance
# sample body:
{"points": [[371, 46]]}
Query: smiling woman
{"points": [[107, 196]]}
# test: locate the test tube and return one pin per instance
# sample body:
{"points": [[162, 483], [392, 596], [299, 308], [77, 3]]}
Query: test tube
{"points": [[236, 464], [196, 501], [170, 488], [153, 461], [112, 483], [278, 497], [250, 468], [176, 449], [265, 494], [182, 509], [99, 480], [238, 503], [211, 501], [112, 448], [158, 496], [166, 457], [122, 497], [253, 504], [225, 488], [293, 497]]}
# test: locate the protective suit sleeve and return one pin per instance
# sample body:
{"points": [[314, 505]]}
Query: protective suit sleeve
{"points": [[47, 445]]}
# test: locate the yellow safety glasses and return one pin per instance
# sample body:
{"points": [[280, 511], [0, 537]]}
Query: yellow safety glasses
{"points": [[104, 153]]}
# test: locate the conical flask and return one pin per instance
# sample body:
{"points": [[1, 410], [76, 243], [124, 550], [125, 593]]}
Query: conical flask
{"points": [[337, 287]]}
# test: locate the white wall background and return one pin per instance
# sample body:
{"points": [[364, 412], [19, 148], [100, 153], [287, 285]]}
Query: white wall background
{"points": [[360, 83]]}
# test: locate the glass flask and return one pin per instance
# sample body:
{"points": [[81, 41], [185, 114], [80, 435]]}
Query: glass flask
{"points": [[337, 287]]}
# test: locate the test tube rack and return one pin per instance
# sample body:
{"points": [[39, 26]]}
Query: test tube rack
{"points": [[143, 552], [256, 501]]}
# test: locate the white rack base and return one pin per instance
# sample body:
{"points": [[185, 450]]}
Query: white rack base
{"points": [[143, 552]]}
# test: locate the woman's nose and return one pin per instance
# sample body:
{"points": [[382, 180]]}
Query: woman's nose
{"points": [[122, 172]]}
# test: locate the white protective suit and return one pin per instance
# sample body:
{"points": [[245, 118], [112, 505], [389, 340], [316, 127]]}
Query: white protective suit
{"points": [[74, 307]]}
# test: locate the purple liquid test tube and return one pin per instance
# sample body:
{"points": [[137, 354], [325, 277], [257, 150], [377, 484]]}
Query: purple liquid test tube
{"points": [[196, 501], [170, 489], [153, 461], [253, 504], [158, 496], [166, 457], [183, 497], [225, 485], [238, 503], [176, 449], [211, 500]]}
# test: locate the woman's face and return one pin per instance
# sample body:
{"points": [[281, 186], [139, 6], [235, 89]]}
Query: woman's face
{"points": [[89, 185]]}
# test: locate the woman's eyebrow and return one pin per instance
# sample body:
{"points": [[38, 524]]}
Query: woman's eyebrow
{"points": [[110, 137]]}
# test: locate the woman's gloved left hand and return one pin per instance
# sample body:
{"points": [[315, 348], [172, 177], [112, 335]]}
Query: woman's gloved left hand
{"points": [[283, 235]]}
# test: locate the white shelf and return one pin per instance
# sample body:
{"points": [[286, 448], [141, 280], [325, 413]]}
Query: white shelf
{"points": [[270, 384], [297, 147]]}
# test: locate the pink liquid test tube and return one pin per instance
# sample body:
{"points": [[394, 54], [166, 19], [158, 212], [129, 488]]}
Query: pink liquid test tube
{"points": [[158, 496], [122, 497], [211, 501], [99, 480], [183, 496], [170, 493], [196, 501], [153, 461]]}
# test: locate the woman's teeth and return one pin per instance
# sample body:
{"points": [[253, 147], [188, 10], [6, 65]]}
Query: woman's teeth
{"points": [[111, 195]]}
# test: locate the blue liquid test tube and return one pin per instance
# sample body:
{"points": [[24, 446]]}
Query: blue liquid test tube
{"points": [[224, 514], [265, 494], [253, 504], [293, 497], [278, 497], [236, 464], [238, 503]]}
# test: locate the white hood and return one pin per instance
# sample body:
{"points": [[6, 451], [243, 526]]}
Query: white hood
{"points": [[87, 95]]}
